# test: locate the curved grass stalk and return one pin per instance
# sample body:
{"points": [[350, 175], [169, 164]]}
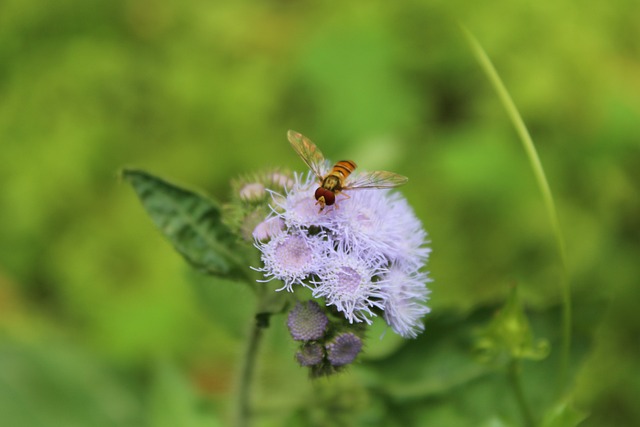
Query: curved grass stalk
{"points": [[543, 185]]}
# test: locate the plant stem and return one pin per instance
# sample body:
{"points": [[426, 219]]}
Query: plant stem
{"points": [[547, 197], [514, 379], [246, 374]]}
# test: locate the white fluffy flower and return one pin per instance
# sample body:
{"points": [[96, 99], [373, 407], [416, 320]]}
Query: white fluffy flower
{"points": [[292, 257], [382, 221], [405, 297], [268, 228], [348, 282], [363, 255]]}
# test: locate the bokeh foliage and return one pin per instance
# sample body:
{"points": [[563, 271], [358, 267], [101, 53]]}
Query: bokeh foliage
{"points": [[101, 323]]}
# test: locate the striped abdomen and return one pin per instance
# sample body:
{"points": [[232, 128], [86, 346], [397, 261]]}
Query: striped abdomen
{"points": [[334, 181]]}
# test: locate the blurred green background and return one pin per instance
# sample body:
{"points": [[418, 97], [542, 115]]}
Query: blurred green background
{"points": [[100, 324]]}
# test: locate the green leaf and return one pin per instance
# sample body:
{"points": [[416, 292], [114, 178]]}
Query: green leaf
{"points": [[508, 335], [192, 223], [563, 415], [439, 379]]}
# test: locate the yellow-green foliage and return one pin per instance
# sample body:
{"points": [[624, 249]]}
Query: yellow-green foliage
{"points": [[102, 324]]}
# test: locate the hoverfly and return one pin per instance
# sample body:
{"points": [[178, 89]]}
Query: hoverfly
{"points": [[335, 181]]}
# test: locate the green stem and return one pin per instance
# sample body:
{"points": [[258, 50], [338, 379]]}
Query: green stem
{"points": [[543, 185], [243, 417], [514, 380]]}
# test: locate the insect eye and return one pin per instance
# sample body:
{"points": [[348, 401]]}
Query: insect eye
{"points": [[329, 198]]}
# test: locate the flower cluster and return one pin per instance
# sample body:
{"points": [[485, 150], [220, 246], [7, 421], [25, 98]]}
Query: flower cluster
{"points": [[325, 348], [363, 256]]}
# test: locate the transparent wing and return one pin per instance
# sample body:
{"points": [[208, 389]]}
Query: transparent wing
{"points": [[376, 179], [307, 151]]}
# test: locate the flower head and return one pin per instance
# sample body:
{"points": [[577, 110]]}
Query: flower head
{"points": [[292, 257], [310, 354], [252, 191], [384, 222], [343, 349], [307, 321], [348, 282], [405, 295], [268, 228]]}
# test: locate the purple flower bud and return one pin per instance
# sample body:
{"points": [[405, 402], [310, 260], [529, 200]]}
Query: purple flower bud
{"points": [[343, 349], [252, 192], [268, 228], [310, 354], [283, 180], [307, 321]]}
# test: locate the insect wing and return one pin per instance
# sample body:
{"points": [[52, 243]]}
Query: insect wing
{"points": [[308, 152], [376, 179]]}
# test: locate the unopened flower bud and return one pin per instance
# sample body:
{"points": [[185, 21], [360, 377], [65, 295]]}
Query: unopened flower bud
{"points": [[252, 192], [343, 349], [307, 321], [268, 229], [282, 180], [310, 354]]}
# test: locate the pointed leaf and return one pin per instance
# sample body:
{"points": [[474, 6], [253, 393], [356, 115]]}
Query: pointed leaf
{"points": [[192, 223], [563, 415], [508, 336]]}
